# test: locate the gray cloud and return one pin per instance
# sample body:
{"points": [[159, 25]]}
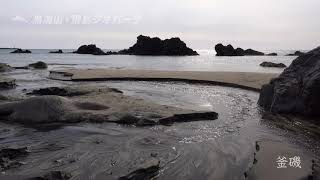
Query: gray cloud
{"points": [[271, 24]]}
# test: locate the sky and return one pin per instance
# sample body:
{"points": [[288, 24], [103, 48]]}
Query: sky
{"points": [[115, 24]]}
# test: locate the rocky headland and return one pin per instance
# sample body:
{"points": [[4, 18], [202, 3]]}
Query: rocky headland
{"points": [[296, 90]]}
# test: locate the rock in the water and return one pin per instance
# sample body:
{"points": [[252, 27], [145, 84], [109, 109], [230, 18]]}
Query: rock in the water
{"points": [[7, 83], [297, 89], [297, 53], [9, 156], [271, 64], [59, 91], [90, 49], [251, 52], [21, 51], [5, 67], [230, 51], [38, 65], [147, 171], [56, 52], [157, 47], [272, 54]]}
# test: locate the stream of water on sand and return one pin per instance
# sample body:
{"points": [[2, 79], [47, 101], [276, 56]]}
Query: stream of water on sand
{"points": [[220, 149]]}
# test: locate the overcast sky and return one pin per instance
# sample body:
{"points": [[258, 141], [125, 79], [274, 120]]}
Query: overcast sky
{"points": [[114, 24]]}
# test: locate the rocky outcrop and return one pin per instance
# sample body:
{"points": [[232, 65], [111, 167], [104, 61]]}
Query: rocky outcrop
{"points": [[57, 109], [272, 54], [7, 83], [21, 51], [297, 89], [157, 47], [5, 67], [90, 49], [271, 64], [56, 52], [38, 65], [297, 53], [230, 51]]}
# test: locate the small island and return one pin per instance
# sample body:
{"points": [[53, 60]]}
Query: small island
{"points": [[56, 52], [157, 47], [17, 51], [230, 51]]}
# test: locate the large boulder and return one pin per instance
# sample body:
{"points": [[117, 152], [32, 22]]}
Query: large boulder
{"points": [[230, 51], [271, 64], [157, 47], [90, 49], [21, 51], [297, 89], [38, 65]]}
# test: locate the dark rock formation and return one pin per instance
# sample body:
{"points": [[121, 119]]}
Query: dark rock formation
{"points": [[157, 47], [272, 54], [90, 49], [147, 171], [38, 65], [21, 51], [189, 117], [59, 91], [271, 64], [297, 53], [297, 89], [5, 67], [54, 175], [9, 157], [230, 51], [56, 52], [7, 83]]}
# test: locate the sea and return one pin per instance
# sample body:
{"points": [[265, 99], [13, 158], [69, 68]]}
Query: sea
{"points": [[206, 61]]}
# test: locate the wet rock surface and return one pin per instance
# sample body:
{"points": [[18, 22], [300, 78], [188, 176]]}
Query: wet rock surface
{"points": [[271, 64], [230, 51], [94, 105], [9, 157], [17, 51], [297, 89], [90, 49], [157, 47]]}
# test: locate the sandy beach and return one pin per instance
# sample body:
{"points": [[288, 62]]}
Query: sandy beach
{"points": [[245, 80]]}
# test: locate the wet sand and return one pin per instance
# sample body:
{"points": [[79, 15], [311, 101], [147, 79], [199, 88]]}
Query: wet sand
{"points": [[245, 80]]}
